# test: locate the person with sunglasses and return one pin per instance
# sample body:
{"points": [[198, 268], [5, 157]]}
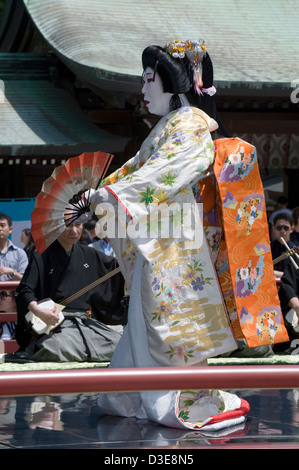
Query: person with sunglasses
{"points": [[7, 304], [282, 207], [283, 227]]}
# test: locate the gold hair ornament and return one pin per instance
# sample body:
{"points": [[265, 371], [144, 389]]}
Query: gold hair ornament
{"points": [[194, 51]]}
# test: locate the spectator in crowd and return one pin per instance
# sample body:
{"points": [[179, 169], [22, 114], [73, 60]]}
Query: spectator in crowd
{"points": [[283, 227], [85, 238], [28, 241], [61, 271], [282, 208], [7, 304], [289, 300], [90, 226], [103, 245], [295, 233], [13, 260], [99, 243]]}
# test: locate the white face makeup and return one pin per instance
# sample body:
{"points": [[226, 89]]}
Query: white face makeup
{"points": [[155, 99]]}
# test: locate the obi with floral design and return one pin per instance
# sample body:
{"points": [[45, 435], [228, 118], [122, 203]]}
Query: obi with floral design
{"points": [[248, 281]]}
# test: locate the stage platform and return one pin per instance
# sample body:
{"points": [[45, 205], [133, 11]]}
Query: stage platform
{"points": [[73, 421]]}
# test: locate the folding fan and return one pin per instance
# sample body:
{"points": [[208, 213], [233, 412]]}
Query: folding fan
{"points": [[77, 175]]}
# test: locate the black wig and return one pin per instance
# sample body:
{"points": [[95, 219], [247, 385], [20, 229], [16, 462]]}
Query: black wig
{"points": [[177, 77]]}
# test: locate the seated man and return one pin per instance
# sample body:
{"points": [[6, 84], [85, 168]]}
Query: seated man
{"points": [[61, 271]]}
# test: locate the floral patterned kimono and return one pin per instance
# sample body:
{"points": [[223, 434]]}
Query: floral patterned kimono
{"points": [[178, 314]]}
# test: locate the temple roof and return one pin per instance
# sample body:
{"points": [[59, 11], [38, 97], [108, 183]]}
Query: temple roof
{"points": [[253, 44], [38, 118]]}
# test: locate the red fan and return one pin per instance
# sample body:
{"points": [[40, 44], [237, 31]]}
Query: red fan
{"points": [[77, 175]]}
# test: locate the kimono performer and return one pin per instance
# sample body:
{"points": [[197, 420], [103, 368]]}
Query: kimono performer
{"points": [[177, 316], [58, 273]]}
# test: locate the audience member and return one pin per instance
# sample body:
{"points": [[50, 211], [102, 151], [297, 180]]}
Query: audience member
{"points": [[13, 260], [90, 226], [282, 208], [295, 234], [289, 300], [61, 271], [85, 238], [28, 241], [283, 227], [97, 242], [7, 304], [103, 245]]}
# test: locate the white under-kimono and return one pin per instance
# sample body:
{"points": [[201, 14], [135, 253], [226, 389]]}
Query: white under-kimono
{"points": [[176, 316]]}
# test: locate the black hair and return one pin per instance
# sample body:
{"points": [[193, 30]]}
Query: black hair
{"points": [[4, 216], [27, 232], [177, 77], [282, 200], [295, 212], [283, 216], [90, 225]]}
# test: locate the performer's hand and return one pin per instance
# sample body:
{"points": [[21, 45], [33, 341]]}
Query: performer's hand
{"points": [[94, 197], [50, 317], [78, 202], [294, 304], [47, 315]]}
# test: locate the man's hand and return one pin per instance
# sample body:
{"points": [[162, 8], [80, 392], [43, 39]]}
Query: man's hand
{"points": [[6, 270], [47, 315], [294, 303]]}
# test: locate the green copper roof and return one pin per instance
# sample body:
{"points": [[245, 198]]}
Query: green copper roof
{"points": [[38, 118], [252, 42]]}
